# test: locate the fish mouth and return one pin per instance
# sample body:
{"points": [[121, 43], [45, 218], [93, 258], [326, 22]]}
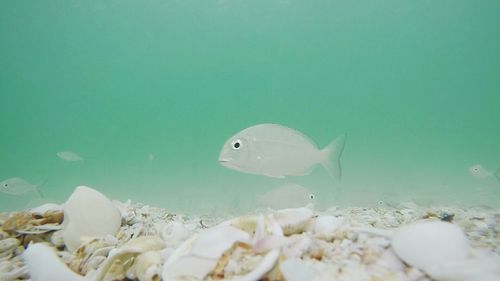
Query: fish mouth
{"points": [[225, 162]]}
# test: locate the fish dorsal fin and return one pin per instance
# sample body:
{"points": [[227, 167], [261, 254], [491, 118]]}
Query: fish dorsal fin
{"points": [[278, 133]]}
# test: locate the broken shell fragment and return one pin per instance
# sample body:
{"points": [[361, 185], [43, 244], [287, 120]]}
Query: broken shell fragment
{"points": [[296, 270], [213, 242], [43, 264], [49, 207], [425, 244], [128, 252], [326, 227], [82, 221], [211, 250], [294, 220], [148, 266]]}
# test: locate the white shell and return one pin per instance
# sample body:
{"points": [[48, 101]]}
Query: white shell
{"points": [[293, 220], [173, 233], [11, 272], [197, 257], [148, 266], [188, 266], [56, 239], [8, 246], [430, 244], [132, 248], [42, 209], [296, 270], [43, 264], [88, 213], [215, 241], [326, 227], [300, 245], [484, 268]]}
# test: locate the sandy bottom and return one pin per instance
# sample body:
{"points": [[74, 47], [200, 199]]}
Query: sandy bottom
{"points": [[340, 252]]}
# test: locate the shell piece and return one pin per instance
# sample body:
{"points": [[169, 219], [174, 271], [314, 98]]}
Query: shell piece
{"points": [[173, 233], [326, 227], [128, 251], [390, 260], [296, 270], [213, 242], [43, 264], [8, 247], [148, 266], [265, 265], [11, 272], [294, 220], [89, 256], [428, 244], [213, 249], [42, 209], [198, 256], [188, 266], [27, 223], [484, 268], [298, 247], [88, 213], [271, 242]]}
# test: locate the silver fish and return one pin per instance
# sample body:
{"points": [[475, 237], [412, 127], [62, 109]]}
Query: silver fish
{"points": [[18, 186], [277, 151], [287, 196], [69, 156]]}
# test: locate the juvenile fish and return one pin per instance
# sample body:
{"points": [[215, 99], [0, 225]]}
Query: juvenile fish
{"points": [[69, 156], [18, 186], [277, 151], [287, 196], [478, 171]]}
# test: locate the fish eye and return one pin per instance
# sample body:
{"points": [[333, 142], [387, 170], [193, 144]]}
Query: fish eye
{"points": [[236, 144], [311, 196]]}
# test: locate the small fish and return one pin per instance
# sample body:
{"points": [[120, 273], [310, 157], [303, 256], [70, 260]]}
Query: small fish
{"points": [[18, 186], [480, 172], [69, 156], [277, 151], [287, 196]]}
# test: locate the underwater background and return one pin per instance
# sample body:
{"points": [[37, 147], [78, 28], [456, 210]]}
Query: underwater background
{"points": [[147, 92]]}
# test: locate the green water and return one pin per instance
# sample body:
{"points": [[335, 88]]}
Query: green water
{"points": [[415, 85]]}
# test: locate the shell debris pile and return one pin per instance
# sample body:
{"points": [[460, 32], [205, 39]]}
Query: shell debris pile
{"points": [[404, 242]]}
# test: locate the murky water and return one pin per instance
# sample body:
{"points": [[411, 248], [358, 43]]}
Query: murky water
{"points": [[147, 92]]}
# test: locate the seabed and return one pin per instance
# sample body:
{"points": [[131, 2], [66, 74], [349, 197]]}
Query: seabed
{"points": [[140, 242]]}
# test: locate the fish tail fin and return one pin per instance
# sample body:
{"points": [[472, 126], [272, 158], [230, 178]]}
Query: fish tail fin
{"points": [[37, 188], [333, 152], [39, 193]]}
